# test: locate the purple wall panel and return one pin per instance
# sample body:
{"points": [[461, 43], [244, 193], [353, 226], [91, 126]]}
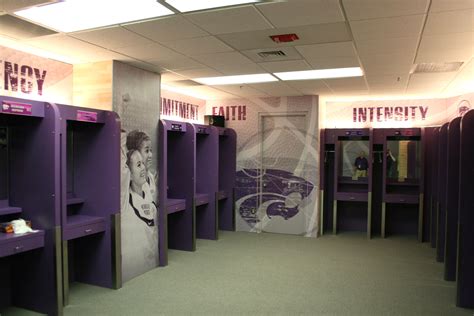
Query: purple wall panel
{"points": [[442, 177], [465, 286], [452, 199]]}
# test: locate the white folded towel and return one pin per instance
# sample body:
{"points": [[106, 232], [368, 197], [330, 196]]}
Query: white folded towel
{"points": [[20, 227]]}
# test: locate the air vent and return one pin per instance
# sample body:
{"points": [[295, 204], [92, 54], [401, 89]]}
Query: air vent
{"points": [[272, 54], [436, 67]]}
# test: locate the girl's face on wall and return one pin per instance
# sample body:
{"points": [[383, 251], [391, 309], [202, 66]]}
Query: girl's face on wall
{"points": [[137, 169], [146, 153]]}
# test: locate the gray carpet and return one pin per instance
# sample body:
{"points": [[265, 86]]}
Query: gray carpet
{"points": [[270, 274]]}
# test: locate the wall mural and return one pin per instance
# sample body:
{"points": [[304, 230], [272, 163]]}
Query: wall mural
{"points": [[277, 159], [27, 76], [136, 100]]}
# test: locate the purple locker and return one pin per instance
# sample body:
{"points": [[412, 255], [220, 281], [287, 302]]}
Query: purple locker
{"points": [[90, 196], [227, 172], [452, 199], [207, 184], [465, 260], [30, 264], [177, 176]]}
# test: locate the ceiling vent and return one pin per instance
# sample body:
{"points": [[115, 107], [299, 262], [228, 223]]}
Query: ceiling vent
{"points": [[268, 54], [424, 68], [272, 54]]}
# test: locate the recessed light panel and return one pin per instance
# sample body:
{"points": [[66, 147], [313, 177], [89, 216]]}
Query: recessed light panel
{"points": [[195, 5], [241, 79], [320, 74], [77, 15]]}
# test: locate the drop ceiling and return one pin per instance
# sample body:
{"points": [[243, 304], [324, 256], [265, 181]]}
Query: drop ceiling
{"points": [[384, 37]]}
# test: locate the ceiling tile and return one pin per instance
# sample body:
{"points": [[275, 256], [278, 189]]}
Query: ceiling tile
{"points": [[392, 81], [403, 26], [463, 82], [211, 93], [167, 29], [342, 84], [310, 34], [341, 49], [400, 45], [309, 87], [17, 28], [429, 83], [276, 89], [241, 90], [199, 45], [62, 44], [15, 5], [171, 76], [151, 51], [238, 19], [387, 82], [449, 22], [220, 59], [183, 63], [112, 37], [387, 64], [386, 92], [450, 5], [302, 12], [199, 73], [282, 66], [446, 48], [372, 9], [430, 79], [334, 62], [234, 69], [145, 66], [101, 55]]}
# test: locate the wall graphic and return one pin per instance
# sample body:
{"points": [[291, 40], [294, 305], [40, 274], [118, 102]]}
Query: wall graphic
{"points": [[32, 77], [396, 113], [277, 162], [136, 98], [179, 107], [385, 113]]}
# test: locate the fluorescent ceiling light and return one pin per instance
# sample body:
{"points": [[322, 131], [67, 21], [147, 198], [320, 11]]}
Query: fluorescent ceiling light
{"points": [[194, 5], [241, 79], [320, 74], [76, 15]]}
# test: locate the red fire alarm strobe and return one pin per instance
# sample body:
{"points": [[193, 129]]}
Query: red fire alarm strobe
{"points": [[284, 38]]}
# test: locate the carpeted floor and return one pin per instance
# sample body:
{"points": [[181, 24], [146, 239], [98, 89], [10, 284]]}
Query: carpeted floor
{"points": [[270, 274]]}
